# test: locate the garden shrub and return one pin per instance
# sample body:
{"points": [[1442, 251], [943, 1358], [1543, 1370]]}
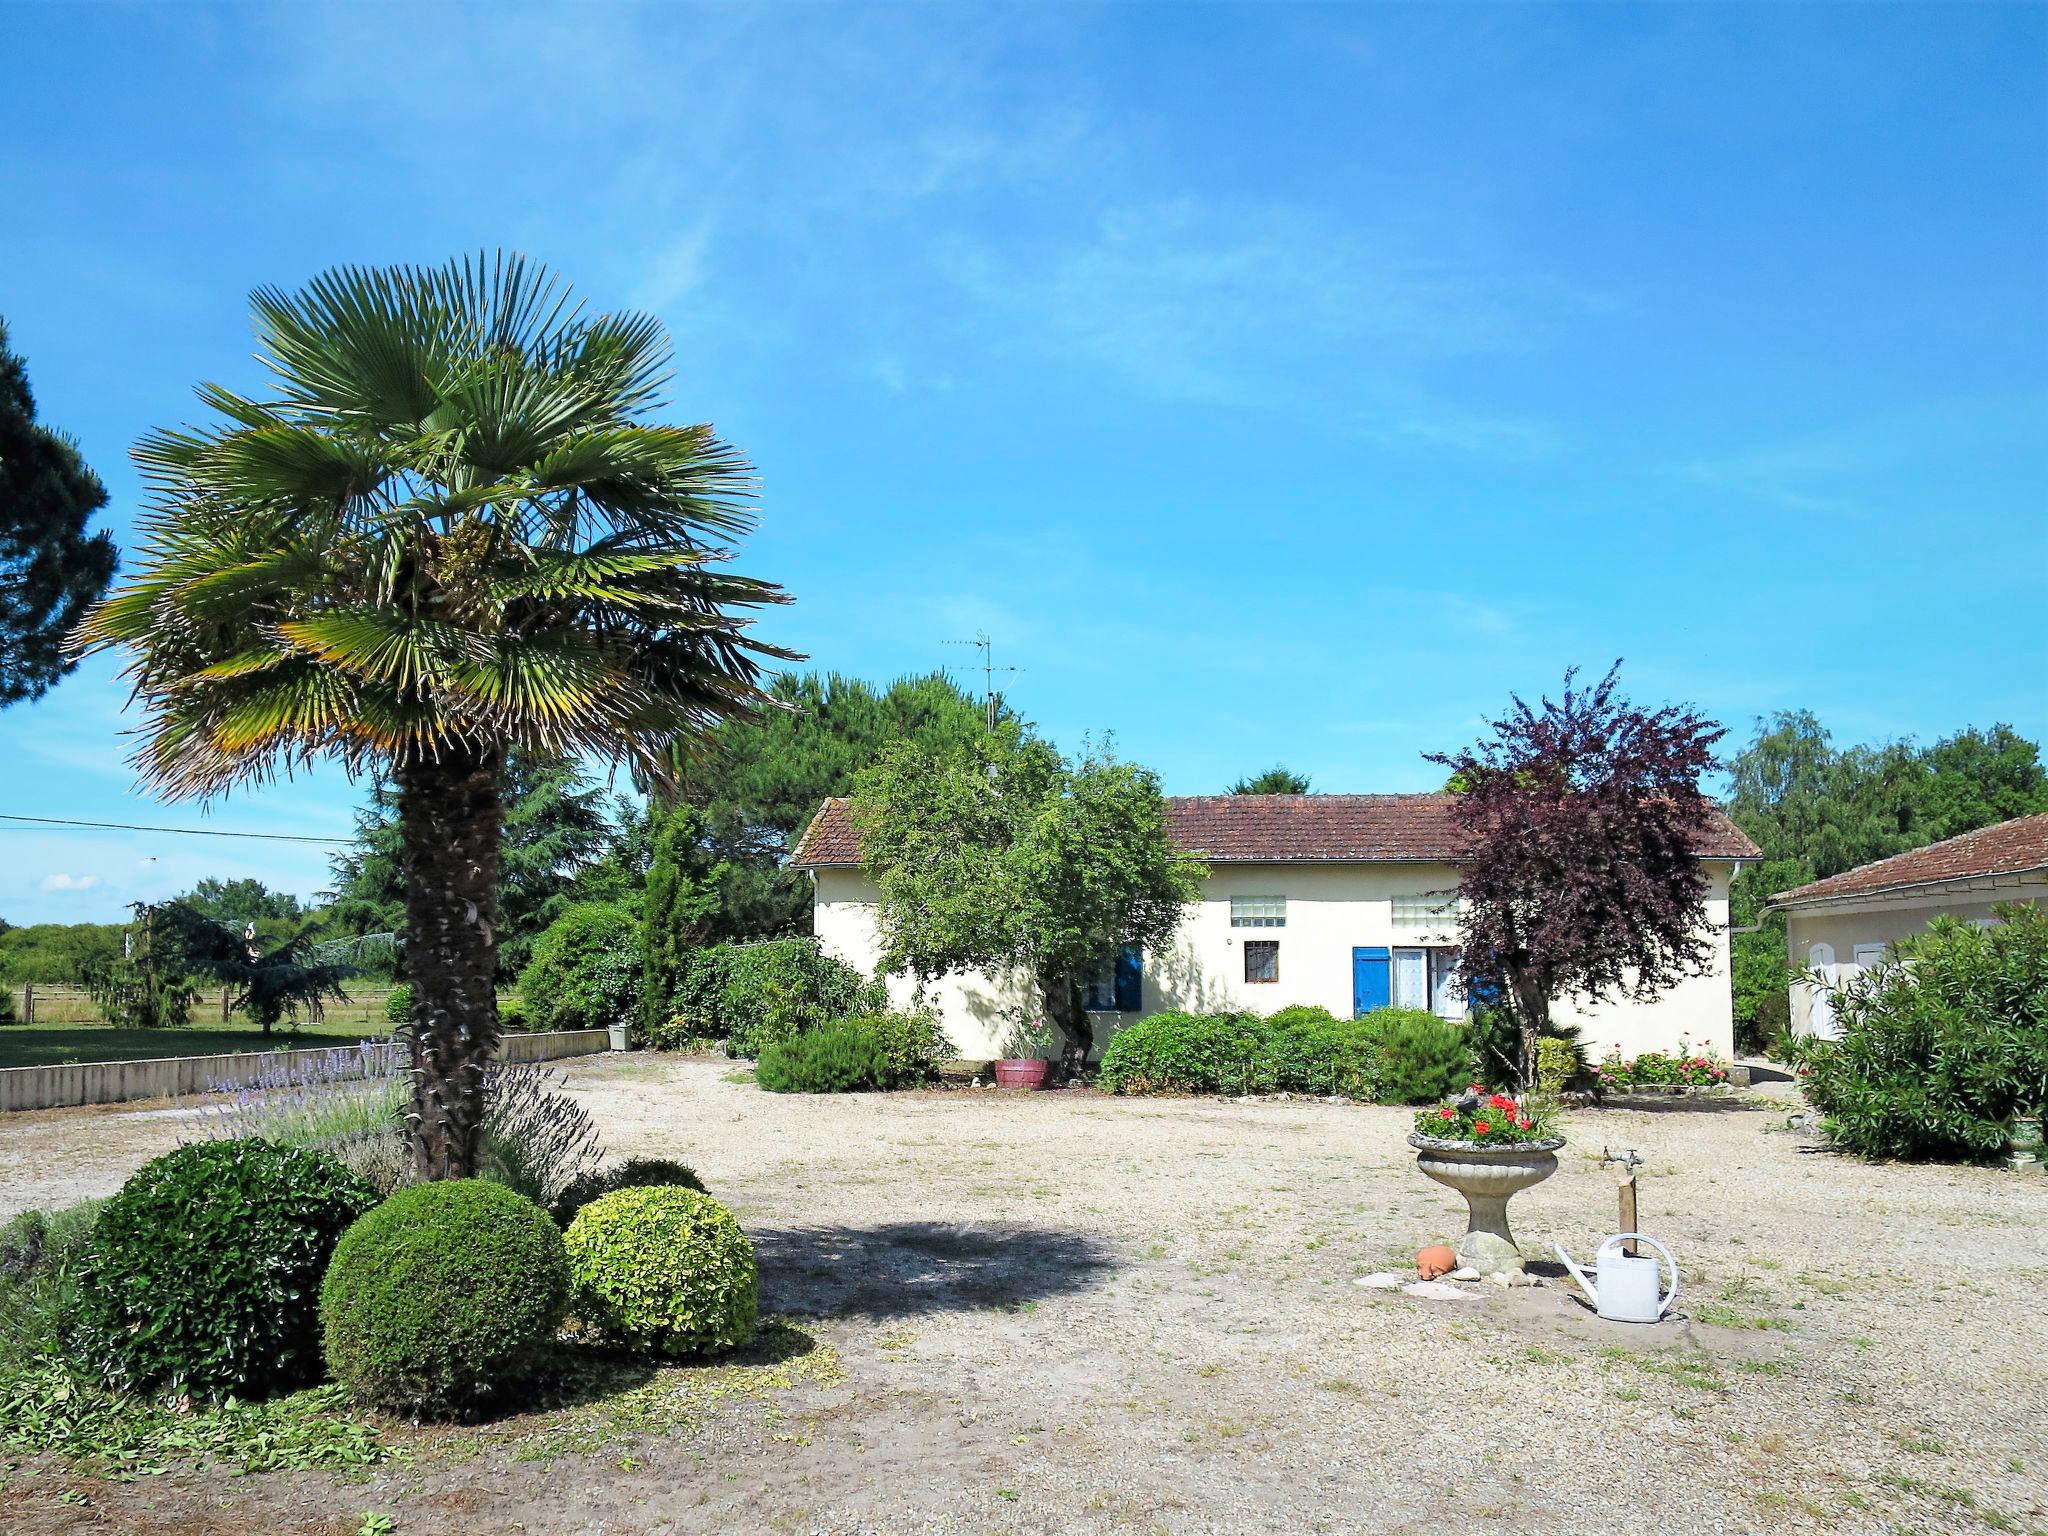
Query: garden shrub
{"points": [[1174, 1052], [398, 1006], [443, 1298], [535, 1140], [633, 1173], [666, 1270], [838, 1059], [1942, 1050], [200, 1274], [585, 970], [1684, 1068], [912, 1044], [751, 995], [1557, 1064], [512, 1016], [1311, 1050], [40, 1254], [1422, 1058]]}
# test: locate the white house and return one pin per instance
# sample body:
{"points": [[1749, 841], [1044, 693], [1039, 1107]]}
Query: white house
{"points": [[1345, 901], [1847, 923]]}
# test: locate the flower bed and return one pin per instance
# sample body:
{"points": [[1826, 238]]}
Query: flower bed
{"points": [[1488, 1120], [1661, 1070]]}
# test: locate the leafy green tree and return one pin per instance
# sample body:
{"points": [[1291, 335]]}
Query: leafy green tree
{"points": [[758, 779], [51, 569], [453, 531], [1816, 810], [267, 978], [1008, 857], [240, 901], [1277, 780], [682, 903], [60, 953]]}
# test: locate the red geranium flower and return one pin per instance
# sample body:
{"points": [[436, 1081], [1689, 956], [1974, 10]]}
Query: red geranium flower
{"points": [[1447, 1113], [1481, 1127]]}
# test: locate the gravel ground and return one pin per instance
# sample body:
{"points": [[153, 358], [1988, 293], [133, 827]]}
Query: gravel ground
{"points": [[1070, 1313]]}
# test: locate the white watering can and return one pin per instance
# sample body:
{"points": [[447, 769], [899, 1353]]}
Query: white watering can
{"points": [[1627, 1290]]}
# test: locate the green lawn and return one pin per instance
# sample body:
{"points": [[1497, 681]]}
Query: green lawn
{"points": [[40, 1046]]}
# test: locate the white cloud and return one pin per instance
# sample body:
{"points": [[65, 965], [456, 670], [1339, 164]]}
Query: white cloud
{"points": [[63, 882]]}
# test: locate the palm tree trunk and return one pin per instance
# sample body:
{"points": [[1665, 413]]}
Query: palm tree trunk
{"points": [[450, 820]]}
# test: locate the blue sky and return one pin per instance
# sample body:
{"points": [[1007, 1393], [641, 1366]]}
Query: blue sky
{"points": [[1271, 382]]}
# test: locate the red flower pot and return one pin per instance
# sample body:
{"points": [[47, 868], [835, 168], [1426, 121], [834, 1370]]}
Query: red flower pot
{"points": [[1021, 1074]]}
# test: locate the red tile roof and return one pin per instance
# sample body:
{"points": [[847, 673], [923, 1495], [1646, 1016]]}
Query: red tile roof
{"points": [[1278, 829], [2010, 848]]}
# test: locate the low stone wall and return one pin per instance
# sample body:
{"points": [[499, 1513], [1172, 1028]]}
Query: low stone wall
{"points": [[163, 1077]]}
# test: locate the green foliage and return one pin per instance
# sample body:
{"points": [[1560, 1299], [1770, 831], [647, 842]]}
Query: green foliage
{"points": [[199, 1275], [1816, 810], [763, 775], [912, 1044], [633, 1173], [682, 901], [836, 1059], [665, 1270], [444, 1298], [63, 954], [40, 1253], [751, 995], [398, 1006], [1422, 1057], [1557, 1064], [1944, 1048], [512, 1015], [1173, 1052], [1011, 857], [145, 986], [1277, 780], [50, 1408], [51, 569], [537, 1140], [1311, 1050], [1684, 1068], [269, 979], [241, 901], [585, 972]]}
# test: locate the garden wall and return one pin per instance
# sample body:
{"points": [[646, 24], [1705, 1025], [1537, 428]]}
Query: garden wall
{"points": [[116, 1082]]}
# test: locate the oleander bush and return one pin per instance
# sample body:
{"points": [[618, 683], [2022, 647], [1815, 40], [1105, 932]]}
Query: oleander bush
{"points": [[752, 995], [1683, 1068], [663, 1270], [444, 1299], [633, 1173], [199, 1277], [836, 1059], [585, 971], [1944, 1049]]}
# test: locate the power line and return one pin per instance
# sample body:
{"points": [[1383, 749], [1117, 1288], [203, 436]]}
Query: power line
{"points": [[122, 826]]}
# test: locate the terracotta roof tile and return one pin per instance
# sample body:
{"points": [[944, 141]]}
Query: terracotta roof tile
{"points": [[2010, 848], [1277, 829]]}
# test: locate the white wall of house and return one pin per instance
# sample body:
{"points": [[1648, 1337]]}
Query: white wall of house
{"points": [[1843, 939], [1330, 909]]}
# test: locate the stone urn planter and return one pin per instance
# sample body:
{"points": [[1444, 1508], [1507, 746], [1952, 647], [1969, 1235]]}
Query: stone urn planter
{"points": [[1486, 1176]]}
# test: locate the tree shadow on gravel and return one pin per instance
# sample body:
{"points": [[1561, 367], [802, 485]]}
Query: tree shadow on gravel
{"points": [[910, 1268]]}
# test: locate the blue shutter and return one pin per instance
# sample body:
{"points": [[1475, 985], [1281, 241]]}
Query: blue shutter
{"points": [[1130, 980], [1372, 979]]}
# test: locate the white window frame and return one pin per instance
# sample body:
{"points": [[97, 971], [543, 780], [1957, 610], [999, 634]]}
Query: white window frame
{"points": [[1258, 911], [1425, 912]]}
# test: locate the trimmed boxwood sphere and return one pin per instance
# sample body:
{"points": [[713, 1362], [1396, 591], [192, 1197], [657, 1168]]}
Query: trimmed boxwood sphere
{"points": [[202, 1275], [633, 1173], [665, 1270], [443, 1297]]}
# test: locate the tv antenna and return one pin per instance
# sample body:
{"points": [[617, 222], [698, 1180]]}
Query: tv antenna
{"points": [[991, 700]]}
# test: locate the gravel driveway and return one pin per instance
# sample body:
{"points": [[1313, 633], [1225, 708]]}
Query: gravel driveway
{"points": [[1070, 1313]]}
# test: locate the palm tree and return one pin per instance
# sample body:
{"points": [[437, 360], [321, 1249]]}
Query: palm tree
{"points": [[452, 532]]}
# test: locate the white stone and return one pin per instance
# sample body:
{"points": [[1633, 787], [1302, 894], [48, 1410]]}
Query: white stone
{"points": [[1436, 1290], [1379, 1282]]}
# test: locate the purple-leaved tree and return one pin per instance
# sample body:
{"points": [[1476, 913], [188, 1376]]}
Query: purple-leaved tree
{"points": [[1580, 877]]}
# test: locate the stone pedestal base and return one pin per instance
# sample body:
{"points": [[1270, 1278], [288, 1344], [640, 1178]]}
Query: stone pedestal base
{"points": [[1486, 1177]]}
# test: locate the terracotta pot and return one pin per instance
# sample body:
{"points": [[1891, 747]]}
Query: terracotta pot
{"points": [[1024, 1073], [1486, 1177]]}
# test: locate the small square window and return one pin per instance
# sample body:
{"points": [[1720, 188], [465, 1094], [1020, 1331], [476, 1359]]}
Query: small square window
{"points": [[1258, 911], [1262, 960], [1098, 992]]}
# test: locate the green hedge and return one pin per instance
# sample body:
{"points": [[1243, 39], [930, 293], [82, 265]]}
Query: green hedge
{"points": [[1394, 1055], [585, 971], [443, 1298], [664, 1270], [1943, 1052], [751, 995], [199, 1276]]}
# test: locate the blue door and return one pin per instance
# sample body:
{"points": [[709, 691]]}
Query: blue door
{"points": [[1372, 982]]}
